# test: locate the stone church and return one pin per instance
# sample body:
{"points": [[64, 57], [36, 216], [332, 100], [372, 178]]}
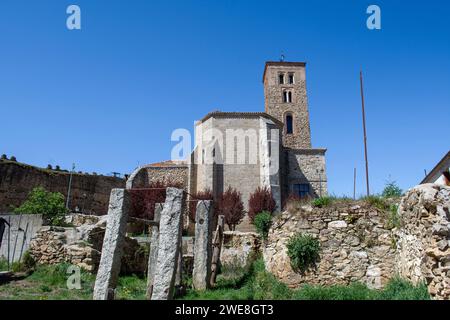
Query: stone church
{"points": [[246, 150]]}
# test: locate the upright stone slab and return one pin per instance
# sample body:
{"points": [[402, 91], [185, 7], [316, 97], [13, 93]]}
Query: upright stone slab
{"points": [[153, 255], [202, 245], [116, 226], [169, 249]]}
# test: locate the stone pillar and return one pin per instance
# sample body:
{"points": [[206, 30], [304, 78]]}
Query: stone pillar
{"points": [[202, 246], [169, 249], [153, 255], [116, 227]]}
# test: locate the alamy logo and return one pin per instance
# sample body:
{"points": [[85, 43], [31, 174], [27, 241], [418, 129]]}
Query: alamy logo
{"points": [[73, 22], [74, 280], [374, 20]]}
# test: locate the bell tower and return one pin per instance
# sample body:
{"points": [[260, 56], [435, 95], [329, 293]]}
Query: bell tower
{"points": [[286, 100]]}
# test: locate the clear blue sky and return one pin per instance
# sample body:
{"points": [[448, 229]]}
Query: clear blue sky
{"points": [[108, 97]]}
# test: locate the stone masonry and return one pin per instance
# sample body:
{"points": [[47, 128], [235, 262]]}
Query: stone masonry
{"points": [[423, 240]]}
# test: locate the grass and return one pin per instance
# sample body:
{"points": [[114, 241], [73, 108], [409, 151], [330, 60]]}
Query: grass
{"points": [[256, 284], [50, 283], [251, 283]]}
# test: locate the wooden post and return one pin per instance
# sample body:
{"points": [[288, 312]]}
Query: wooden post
{"points": [[23, 243], [217, 247]]}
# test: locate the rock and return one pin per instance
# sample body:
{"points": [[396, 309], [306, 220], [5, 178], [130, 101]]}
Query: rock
{"points": [[202, 245], [442, 245], [170, 233], [337, 224], [109, 268]]}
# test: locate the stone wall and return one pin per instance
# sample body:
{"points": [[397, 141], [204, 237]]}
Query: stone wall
{"points": [[239, 248], [356, 245], [90, 193], [423, 241], [81, 246]]}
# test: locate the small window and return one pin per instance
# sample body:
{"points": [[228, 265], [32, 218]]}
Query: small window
{"points": [[281, 78], [287, 96], [291, 78], [301, 190], [289, 124]]}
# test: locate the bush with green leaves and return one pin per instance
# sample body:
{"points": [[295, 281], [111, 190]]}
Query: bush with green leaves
{"points": [[50, 204], [392, 190], [303, 251], [263, 222], [321, 202]]}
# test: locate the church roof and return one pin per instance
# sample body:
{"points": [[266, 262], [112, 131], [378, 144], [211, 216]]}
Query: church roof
{"points": [[282, 64], [443, 165], [224, 115]]}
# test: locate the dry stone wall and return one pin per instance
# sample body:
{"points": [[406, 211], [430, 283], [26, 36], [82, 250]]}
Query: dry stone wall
{"points": [[356, 245], [423, 241], [82, 245]]}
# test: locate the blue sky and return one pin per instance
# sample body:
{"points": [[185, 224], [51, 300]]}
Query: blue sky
{"points": [[109, 96]]}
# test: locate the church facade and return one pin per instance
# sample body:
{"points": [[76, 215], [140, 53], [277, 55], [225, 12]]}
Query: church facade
{"points": [[247, 150]]}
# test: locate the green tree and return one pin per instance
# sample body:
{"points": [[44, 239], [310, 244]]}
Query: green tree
{"points": [[50, 204]]}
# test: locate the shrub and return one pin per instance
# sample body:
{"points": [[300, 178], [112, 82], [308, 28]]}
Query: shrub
{"points": [[13, 158], [50, 204], [143, 201], [259, 201], [303, 250], [392, 190], [262, 222], [4, 157], [231, 207], [321, 202], [202, 195], [49, 167]]}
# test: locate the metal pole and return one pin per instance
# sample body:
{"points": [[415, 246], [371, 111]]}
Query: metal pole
{"points": [[70, 186], [354, 184], [365, 134]]}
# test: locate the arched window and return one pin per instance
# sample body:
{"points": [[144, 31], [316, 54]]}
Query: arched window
{"points": [[287, 96], [289, 124]]}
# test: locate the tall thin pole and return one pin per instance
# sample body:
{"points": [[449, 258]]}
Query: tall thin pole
{"points": [[354, 184], [365, 134], [9, 243], [70, 186]]}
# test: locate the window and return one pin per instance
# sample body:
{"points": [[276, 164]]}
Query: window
{"points": [[287, 96], [281, 78], [289, 124], [291, 78], [301, 190]]}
